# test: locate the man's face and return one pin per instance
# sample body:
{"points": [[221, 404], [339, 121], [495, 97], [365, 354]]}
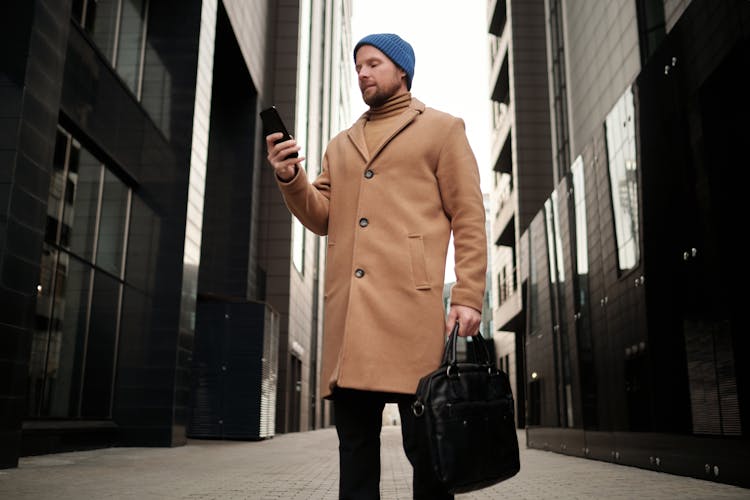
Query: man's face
{"points": [[379, 78]]}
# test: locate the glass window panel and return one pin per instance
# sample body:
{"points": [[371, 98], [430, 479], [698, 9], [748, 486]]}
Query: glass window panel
{"points": [[143, 246], [579, 193], [132, 26], [101, 25], [550, 235], [534, 285], [156, 89], [40, 336], [620, 133], [112, 224], [100, 349], [82, 199], [56, 186], [67, 338], [558, 237]]}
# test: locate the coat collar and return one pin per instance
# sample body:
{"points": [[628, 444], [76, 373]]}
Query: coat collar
{"points": [[356, 133]]}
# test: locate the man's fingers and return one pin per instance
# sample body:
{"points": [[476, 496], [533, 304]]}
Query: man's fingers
{"points": [[286, 151], [279, 154], [271, 138], [449, 324], [467, 318], [271, 142], [466, 329]]}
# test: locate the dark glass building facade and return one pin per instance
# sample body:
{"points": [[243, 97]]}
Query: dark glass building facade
{"points": [[630, 331], [145, 266]]}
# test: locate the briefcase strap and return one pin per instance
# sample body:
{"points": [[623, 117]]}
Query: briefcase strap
{"points": [[449, 355]]}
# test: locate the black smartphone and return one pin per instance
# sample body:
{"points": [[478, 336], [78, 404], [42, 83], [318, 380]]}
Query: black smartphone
{"points": [[272, 123]]}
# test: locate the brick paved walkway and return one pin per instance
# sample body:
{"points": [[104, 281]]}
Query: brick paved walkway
{"points": [[305, 466]]}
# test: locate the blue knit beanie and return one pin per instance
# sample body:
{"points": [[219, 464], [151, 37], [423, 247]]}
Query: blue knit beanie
{"points": [[398, 50]]}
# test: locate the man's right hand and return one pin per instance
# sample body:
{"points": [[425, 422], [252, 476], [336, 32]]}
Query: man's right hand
{"points": [[284, 167]]}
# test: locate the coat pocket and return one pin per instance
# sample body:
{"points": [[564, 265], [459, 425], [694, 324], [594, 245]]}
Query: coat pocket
{"points": [[328, 275], [418, 262]]}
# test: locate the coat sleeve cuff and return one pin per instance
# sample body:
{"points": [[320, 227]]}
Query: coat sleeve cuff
{"points": [[460, 297], [297, 183]]}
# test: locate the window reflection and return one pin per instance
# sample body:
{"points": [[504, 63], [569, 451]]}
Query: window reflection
{"points": [[81, 202], [550, 239], [620, 132], [67, 338], [557, 290], [56, 187], [117, 28], [156, 90], [100, 348], [73, 350], [534, 305], [113, 218], [143, 244], [579, 193], [130, 42], [581, 289], [100, 22], [40, 337]]}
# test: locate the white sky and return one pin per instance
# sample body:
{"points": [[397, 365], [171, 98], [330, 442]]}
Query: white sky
{"points": [[451, 73]]}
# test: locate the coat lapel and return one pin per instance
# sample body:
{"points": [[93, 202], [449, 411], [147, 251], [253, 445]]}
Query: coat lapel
{"points": [[357, 132], [357, 135]]}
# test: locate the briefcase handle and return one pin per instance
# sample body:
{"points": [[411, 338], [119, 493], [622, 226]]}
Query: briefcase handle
{"points": [[449, 356]]}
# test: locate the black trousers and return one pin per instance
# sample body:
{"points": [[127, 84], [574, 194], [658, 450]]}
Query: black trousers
{"points": [[358, 424]]}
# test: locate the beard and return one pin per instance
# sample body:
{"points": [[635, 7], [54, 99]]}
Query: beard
{"points": [[381, 94]]}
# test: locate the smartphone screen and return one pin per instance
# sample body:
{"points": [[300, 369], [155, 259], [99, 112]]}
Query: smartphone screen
{"points": [[272, 123]]}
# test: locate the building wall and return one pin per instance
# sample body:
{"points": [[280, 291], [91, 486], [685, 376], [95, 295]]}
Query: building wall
{"points": [[86, 84], [521, 141], [507, 361], [30, 87], [522, 155], [136, 188], [529, 95], [154, 158], [602, 59], [633, 351]]}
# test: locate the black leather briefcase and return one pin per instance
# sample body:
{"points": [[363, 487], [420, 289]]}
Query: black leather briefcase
{"points": [[467, 411]]}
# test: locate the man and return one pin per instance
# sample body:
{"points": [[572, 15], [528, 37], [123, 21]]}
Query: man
{"points": [[391, 190]]}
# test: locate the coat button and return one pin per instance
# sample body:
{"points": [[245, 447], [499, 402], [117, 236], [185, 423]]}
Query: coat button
{"points": [[359, 273], [369, 173], [363, 222]]}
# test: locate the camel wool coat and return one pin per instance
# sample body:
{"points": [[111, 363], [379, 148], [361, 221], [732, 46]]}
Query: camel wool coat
{"points": [[388, 215]]}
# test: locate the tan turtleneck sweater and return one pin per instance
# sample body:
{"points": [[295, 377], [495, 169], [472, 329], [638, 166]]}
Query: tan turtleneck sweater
{"points": [[381, 119]]}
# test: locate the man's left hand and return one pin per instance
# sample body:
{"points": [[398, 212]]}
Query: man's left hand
{"points": [[468, 319]]}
